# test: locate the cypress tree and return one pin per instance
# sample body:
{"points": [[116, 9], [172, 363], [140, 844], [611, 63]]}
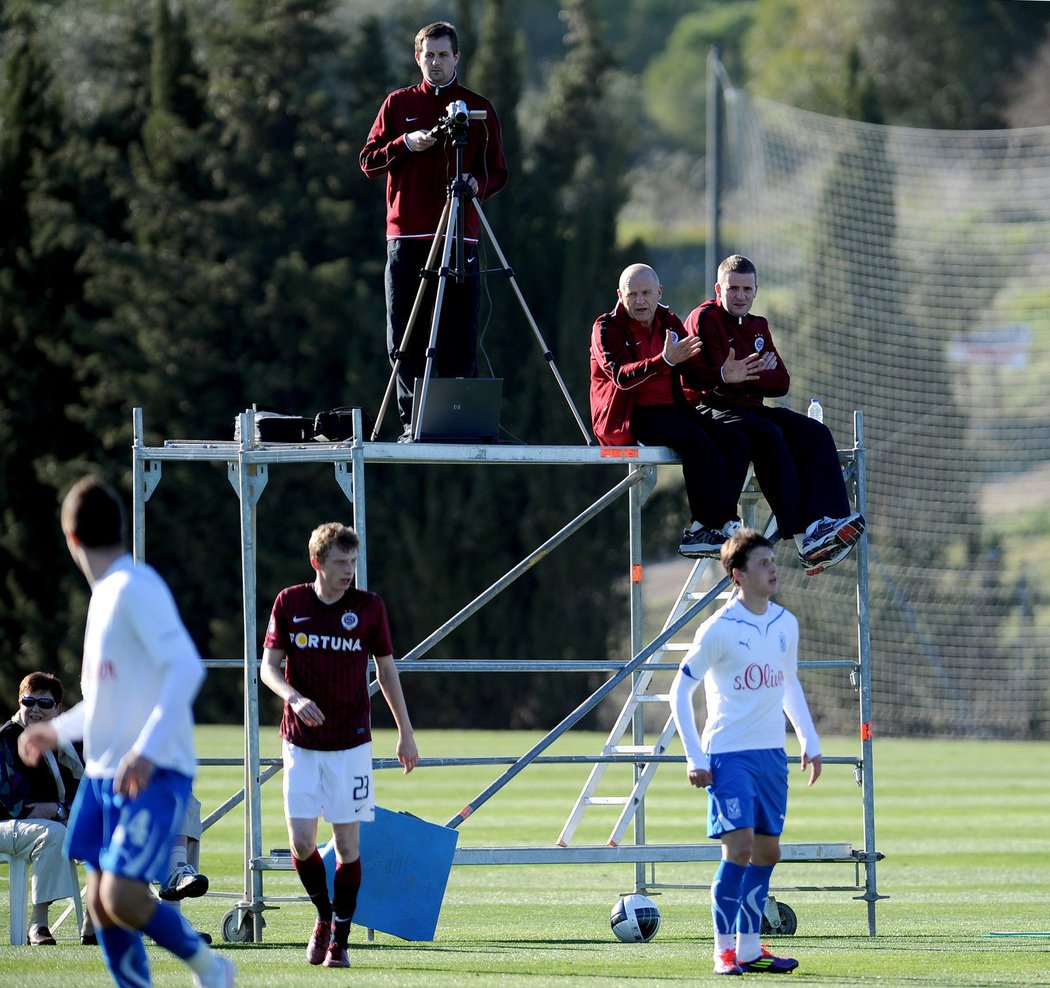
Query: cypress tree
{"points": [[39, 284]]}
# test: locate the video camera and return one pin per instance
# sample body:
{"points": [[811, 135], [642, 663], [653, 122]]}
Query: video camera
{"points": [[456, 120]]}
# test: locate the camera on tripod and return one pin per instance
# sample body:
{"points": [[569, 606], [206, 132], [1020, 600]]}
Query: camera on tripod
{"points": [[456, 120]]}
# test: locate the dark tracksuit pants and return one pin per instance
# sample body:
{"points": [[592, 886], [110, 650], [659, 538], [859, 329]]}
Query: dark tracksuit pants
{"points": [[714, 457], [456, 348], [796, 463]]}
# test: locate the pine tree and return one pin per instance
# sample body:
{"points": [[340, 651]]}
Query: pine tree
{"points": [[39, 284]]}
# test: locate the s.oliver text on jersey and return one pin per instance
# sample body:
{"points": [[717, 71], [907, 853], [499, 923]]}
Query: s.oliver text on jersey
{"points": [[758, 677]]}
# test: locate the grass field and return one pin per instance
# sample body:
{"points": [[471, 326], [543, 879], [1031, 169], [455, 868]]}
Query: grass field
{"points": [[964, 825]]}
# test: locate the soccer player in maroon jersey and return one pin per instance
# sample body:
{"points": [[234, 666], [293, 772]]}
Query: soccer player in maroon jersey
{"points": [[324, 632]]}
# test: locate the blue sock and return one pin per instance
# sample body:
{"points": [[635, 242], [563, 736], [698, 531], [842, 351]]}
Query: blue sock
{"points": [[725, 896], [169, 929], [754, 890], [125, 956]]}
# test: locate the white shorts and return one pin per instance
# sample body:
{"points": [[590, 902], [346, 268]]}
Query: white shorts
{"points": [[334, 784]]}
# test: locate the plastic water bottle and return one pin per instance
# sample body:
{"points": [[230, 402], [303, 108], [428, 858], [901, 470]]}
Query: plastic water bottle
{"points": [[815, 411]]}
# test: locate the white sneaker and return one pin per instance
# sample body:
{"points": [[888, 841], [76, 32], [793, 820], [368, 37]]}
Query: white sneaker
{"points": [[222, 974], [184, 883]]}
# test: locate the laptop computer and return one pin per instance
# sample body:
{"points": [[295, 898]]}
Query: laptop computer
{"points": [[458, 409]]}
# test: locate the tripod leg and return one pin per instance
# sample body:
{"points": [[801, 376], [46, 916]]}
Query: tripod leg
{"points": [[410, 325], [547, 355], [439, 300]]}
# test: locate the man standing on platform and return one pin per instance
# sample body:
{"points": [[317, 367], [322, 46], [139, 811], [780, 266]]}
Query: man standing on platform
{"points": [[418, 159]]}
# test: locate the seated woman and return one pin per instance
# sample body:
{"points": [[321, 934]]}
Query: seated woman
{"points": [[34, 805]]}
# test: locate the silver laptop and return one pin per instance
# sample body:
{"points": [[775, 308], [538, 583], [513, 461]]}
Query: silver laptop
{"points": [[458, 409]]}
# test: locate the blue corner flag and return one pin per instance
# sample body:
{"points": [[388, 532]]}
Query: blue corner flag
{"points": [[405, 864]]}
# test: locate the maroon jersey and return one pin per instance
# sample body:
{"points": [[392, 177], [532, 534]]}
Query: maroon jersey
{"points": [[326, 649]]}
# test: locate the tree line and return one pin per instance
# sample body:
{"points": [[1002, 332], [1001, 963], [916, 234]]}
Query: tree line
{"points": [[186, 230], [193, 235]]}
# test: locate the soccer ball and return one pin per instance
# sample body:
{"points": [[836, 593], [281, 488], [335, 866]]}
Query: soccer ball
{"points": [[635, 919]]}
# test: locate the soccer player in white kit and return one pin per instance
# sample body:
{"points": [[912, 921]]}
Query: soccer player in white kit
{"points": [[140, 674], [746, 655]]}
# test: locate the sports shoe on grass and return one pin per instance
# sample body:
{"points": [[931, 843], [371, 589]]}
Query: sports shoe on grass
{"points": [[768, 963], [835, 556], [317, 948], [336, 956], [830, 533], [725, 963], [184, 883], [222, 974]]}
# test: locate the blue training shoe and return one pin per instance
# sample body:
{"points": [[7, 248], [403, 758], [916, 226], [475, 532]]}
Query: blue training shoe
{"points": [[768, 963]]}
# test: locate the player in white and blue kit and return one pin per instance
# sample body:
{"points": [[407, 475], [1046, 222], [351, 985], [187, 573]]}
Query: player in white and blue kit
{"points": [[140, 674], [746, 655]]}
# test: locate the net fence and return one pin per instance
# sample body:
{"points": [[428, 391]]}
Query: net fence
{"points": [[906, 273]]}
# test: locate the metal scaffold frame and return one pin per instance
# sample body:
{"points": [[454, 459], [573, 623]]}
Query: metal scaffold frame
{"points": [[248, 461]]}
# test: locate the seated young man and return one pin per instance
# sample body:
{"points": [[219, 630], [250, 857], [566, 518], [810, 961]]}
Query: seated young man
{"points": [[795, 457]]}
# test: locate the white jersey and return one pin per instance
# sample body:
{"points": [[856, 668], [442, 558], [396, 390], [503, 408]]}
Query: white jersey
{"points": [[749, 666], [141, 672]]}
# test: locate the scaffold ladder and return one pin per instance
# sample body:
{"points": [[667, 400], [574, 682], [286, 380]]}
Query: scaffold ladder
{"points": [[640, 694], [615, 743]]}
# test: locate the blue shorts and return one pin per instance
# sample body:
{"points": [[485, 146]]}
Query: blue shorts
{"points": [[748, 789], [128, 837]]}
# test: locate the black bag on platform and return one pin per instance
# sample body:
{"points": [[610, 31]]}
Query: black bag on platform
{"points": [[273, 426], [337, 424]]}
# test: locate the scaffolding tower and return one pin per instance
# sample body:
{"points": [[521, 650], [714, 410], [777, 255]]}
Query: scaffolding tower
{"points": [[247, 462]]}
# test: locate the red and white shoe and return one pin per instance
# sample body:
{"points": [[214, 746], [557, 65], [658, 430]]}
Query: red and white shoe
{"points": [[725, 963]]}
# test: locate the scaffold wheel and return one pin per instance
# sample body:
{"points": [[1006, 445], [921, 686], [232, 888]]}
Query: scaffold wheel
{"points": [[788, 921], [234, 932]]}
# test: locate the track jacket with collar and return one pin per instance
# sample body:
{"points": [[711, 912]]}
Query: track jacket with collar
{"points": [[417, 181], [721, 331]]}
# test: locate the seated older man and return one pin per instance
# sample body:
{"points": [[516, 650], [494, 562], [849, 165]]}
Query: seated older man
{"points": [[34, 804]]}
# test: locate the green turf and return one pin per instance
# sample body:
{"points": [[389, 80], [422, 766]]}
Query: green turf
{"points": [[965, 827]]}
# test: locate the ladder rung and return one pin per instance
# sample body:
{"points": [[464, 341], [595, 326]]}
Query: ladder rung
{"points": [[607, 800], [632, 749], [653, 697]]}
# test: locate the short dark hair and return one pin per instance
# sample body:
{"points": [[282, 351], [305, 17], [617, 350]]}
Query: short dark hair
{"points": [[736, 551], [436, 30], [94, 513], [738, 264], [41, 682]]}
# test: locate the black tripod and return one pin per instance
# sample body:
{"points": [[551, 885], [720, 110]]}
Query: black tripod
{"points": [[451, 229]]}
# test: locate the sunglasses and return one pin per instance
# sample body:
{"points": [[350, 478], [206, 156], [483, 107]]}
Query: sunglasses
{"points": [[43, 702]]}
